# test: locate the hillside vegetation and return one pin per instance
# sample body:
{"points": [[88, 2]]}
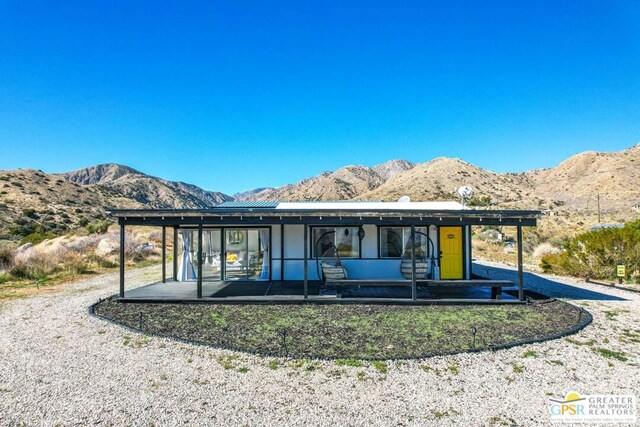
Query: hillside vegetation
{"points": [[595, 254], [84, 252], [35, 205]]}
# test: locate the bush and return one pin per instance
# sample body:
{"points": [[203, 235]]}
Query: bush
{"points": [[76, 264], [479, 201], [36, 267], [21, 220], [6, 259], [23, 230], [595, 254], [100, 261], [37, 237], [99, 227], [83, 222], [30, 213]]}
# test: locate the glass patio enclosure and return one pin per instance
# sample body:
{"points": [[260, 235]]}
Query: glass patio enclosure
{"points": [[227, 254]]}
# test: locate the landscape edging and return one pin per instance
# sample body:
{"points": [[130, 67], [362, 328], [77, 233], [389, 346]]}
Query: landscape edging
{"points": [[586, 318]]}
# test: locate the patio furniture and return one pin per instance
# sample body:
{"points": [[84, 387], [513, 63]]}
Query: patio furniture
{"points": [[331, 269], [422, 261]]}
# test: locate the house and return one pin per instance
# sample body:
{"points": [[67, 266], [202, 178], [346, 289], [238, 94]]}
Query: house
{"points": [[237, 250]]}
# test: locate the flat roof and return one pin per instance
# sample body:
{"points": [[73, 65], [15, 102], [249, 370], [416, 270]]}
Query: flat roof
{"points": [[370, 212], [367, 205]]}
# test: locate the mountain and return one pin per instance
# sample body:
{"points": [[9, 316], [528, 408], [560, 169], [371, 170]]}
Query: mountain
{"points": [[32, 200], [57, 202], [100, 174], [573, 184], [392, 168], [439, 178], [148, 190], [253, 193], [345, 183], [577, 181]]}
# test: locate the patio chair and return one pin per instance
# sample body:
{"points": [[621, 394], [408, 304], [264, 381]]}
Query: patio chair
{"points": [[332, 268], [422, 261]]}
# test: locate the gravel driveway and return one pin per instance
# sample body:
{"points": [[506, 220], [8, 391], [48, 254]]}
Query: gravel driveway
{"points": [[60, 366]]}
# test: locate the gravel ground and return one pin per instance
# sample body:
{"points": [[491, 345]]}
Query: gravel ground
{"points": [[60, 366]]}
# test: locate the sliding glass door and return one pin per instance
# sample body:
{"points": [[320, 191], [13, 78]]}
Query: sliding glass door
{"points": [[246, 253], [211, 255]]}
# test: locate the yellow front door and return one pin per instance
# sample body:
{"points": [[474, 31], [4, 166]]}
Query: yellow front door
{"points": [[451, 253]]}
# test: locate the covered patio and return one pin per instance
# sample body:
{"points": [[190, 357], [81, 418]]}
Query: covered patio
{"points": [[282, 266]]}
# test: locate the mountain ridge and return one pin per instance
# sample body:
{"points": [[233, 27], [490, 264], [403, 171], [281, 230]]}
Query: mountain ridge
{"points": [[57, 202], [572, 184]]}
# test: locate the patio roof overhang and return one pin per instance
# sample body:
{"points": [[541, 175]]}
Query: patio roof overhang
{"points": [[269, 216]]}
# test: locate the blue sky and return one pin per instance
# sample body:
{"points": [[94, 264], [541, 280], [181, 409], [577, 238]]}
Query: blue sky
{"points": [[236, 95]]}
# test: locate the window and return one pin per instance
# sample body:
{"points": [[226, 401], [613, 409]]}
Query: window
{"points": [[327, 240], [395, 242]]}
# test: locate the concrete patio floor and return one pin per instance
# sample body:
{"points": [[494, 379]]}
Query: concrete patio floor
{"points": [[294, 291]]}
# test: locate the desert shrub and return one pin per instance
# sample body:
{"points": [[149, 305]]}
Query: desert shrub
{"points": [[36, 265], [479, 201], [37, 237], [543, 249], [75, 263], [99, 227], [83, 222], [23, 230], [595, 254], [6, 259], [101, 261], [21, 220], [86, 244], [136, 248]]}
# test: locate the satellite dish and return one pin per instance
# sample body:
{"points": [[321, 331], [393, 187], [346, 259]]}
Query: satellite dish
{"points": [[404, 199], [465, 192]]}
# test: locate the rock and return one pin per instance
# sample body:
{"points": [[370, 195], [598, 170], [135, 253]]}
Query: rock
{"points": [[491, 236], [106, 246], [145, 248]]}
